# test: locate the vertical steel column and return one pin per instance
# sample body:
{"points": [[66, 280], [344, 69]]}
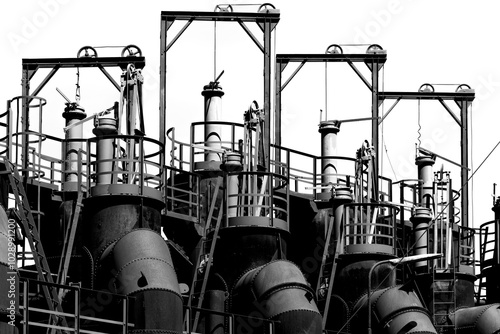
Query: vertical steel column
{"points": [[277, 111], [375, 114], [163, 80], [25, 123], [464, 173], [267, 91]]}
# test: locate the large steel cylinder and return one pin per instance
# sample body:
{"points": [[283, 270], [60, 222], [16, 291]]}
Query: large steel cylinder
{"points": [[213, 109], [395, 310], [141, 266], [10, 318], [105, 149], [276, 291], [426, 177], [72, 114], [483, 319], [328, 131]]}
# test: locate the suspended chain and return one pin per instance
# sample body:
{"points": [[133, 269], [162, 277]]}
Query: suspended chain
{"points": [[31, 233], [203, 256]]}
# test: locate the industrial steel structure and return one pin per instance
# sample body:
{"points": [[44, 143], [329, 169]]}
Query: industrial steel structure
{"points": [[118, 232]]}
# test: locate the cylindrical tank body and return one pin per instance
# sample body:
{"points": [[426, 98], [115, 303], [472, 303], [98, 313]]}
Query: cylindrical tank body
{"points": [[110, 215], [421, 220], [328, 131], [395, 310], [10, 318], [72, 114], [213, 109], [276, 291], [426, 177], [105, 149]]}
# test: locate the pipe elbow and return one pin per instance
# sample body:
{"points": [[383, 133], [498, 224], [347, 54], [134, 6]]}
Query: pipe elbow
{"points": [[483, 319], [397, 310], [142, 267], [278, 291]]}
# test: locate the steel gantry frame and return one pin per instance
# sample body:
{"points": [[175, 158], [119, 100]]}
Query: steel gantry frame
{"points": [[31, 66], [374, 60], [266, 20], [463, 98]]}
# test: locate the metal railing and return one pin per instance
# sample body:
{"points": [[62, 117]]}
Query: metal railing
{"points": [[84, 315], [370, 227], [182, 193]]}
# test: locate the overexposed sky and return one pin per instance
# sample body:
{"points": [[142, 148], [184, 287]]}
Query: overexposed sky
{"points": [[438, 42]]}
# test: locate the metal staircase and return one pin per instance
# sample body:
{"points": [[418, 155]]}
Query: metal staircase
{"points": [[30, 232]]}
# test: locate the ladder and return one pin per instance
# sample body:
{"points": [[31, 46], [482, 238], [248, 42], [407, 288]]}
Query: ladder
{"points": [[206, 258], [30, 232], [444, 301], [69, 239], [328, 267]]}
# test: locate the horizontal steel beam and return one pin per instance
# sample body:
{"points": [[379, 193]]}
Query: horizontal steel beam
{"points": [[379, 58], [272, 16], [462, 96], [122, 62]]}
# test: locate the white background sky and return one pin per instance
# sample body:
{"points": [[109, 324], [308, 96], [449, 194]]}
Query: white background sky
{"points": [[439, 42]]}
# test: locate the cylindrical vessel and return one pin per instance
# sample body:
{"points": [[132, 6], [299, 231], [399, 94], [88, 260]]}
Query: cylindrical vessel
{"points": [[328, 131], [213, 109], [72, 114], [105, 150]]}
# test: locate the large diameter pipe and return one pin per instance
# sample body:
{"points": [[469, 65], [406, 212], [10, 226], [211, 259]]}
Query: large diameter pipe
{"points": [[397, 310], [276, 291], [328, 131], [105, 150], [483, 319], [232, 165], [72, 114], [143, 268], [10, 318], [213, 109]]}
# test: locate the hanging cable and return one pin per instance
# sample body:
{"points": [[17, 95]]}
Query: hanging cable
{"points": [[77, 92], [326, 90], [215, 49], [419, 134]]}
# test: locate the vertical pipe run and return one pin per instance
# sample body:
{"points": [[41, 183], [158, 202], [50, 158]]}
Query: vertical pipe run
{"points": [[329, 131], [420, 221], [213, 109], [232, 165], [72, 114], [105, 127], [426, 177]]}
